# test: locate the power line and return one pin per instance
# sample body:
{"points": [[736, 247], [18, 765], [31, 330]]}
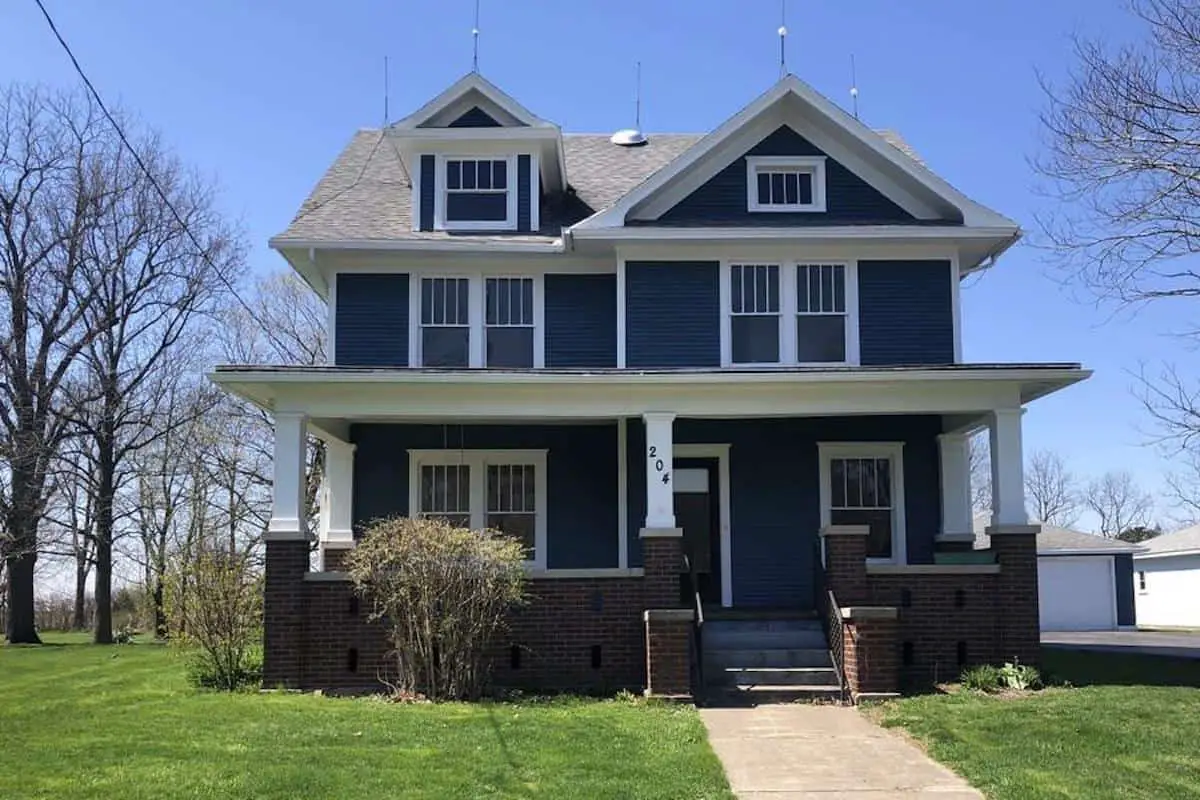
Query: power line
{"points": [[154, 181]]}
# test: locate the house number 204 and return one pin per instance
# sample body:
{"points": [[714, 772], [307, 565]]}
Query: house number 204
{"points": [[659, 466]]}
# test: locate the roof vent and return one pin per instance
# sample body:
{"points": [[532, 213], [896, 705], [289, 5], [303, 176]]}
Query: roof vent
{"points": [[629, 137]]}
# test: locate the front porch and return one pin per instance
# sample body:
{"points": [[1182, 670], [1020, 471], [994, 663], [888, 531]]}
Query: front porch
{"points": [[608, 504]]}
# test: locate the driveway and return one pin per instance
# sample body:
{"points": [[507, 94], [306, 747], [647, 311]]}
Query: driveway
{"points": [[786, 752], [1154, 643]]}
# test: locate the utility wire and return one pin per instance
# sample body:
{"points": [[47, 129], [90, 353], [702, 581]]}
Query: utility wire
{"points": [[154, 182]]}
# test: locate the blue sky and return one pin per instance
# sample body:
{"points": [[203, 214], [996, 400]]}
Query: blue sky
{"points": [[263, 95]]}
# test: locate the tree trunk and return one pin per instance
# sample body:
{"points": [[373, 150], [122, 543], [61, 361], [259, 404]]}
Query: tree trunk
{"points": [[21, 626], [160, 612], [105, 489], [79, 615], [21, 558]]}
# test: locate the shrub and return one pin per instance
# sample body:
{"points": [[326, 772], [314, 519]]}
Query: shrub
{"points": [[442, 594], [218, 610], [983, 678], [1021, 677]]}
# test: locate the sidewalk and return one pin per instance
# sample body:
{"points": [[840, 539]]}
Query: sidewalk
{"points": [[786, 752]]}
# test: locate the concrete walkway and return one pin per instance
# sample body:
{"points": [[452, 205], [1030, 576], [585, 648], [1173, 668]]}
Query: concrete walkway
{"points": [[781, 752], [1181, 644]]}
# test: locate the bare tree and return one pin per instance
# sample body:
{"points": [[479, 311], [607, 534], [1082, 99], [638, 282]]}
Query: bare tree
{"points": [[1051, 490], [54, 152], [1119, 503]]}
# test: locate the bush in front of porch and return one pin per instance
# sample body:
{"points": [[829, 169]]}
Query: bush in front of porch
{"points": [[442, 593]]}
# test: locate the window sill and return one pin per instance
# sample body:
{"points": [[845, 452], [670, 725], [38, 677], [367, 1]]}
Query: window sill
{"points": [[477, 227], [813, 209]]}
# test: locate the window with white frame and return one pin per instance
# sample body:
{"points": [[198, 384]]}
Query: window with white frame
{"points": [[504, 490], [477, 320], [754, 313], [820, 313], [508, 312], [789, 313], [445, 322], [863, 484], [785, 183], [478, 193]]}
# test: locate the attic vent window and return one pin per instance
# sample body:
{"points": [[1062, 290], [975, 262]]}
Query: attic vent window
{"points": [[785, 183], [476, 193]]}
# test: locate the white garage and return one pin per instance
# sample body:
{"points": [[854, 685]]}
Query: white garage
{"points": [[1077, 593], [1085, 582]]}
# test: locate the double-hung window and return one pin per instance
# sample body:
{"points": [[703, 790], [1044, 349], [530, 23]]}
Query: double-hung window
{"points": [[477, 193], [445, 322], [789, 313], [785, 183], [502, 490], [478, 320], [508, 312], [754, 313], [863, 484]]}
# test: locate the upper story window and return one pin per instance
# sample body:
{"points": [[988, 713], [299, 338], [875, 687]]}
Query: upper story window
{"points": [[476, 193], [477, 321], [785, 183], [789, 314]]}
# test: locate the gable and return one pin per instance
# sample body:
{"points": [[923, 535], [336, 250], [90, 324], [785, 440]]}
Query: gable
{"points": [[723, 198], [475, 117]]}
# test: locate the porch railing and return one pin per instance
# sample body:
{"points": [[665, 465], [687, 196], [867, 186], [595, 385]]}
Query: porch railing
{"points": [[829, 612], [697, 641]]}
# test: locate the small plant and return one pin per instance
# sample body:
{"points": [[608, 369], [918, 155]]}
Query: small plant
{"points": [[1021, 677], [124, 634], [982, 678]]}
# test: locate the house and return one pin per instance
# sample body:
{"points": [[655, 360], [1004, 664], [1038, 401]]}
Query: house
{"points": [[743, 346], [1085, 582], [1167, 580]]}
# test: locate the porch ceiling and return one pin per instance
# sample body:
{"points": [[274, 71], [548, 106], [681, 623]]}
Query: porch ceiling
{"points": [[347, 393]]}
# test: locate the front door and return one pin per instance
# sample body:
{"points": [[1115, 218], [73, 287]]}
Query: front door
{"points": [[698, 513]]}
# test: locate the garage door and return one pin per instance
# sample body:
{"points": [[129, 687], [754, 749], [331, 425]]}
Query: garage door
{"points": [[1075, 593]]}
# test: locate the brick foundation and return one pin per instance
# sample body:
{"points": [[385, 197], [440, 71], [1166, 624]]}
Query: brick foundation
{"points": [[333, 559], [668, 652], [284, 610]]}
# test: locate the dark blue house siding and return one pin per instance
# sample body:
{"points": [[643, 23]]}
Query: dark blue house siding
{"points": [[581, 320], [775, 511], [906, 313], [848, 198], [1123, 569], [581, 479], [428, 184], [476, 117], [371, 327], [523, 200], [672, 314]]}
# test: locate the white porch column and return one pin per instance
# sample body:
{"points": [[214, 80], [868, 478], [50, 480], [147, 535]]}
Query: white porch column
{"points": [[957, 522], [287, 495], [338, 494], [1008, 467], [660, 495]]}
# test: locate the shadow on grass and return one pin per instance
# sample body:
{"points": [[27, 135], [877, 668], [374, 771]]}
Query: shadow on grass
{"points": [[1086, 668]]}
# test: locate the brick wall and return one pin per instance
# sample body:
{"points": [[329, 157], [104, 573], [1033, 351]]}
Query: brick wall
{"points": [[283, 611]]}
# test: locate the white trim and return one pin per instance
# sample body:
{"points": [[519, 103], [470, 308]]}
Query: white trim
{"points": [[721, 453], [948, 234], [535, 198], [475, 244], [288, 469], [331, 321], [1008, 466], [477, 278], [1106, 551], [478, 461], [788, 314], [620, 311], [812, 165], [440, 191], [974, 214], [622, 493], [440, 395], [415, 177], [956, 306], [894, 451], [472, 81], [460, 137], [576, 574], [1195, 551]]}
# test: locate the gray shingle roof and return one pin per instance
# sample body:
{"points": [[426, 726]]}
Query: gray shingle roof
{"points": [[367, 193], [1179, 541], [1053, 539]]}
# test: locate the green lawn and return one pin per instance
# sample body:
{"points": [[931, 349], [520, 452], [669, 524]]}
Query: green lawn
{"points": [[79, 721], [1130, 729]]}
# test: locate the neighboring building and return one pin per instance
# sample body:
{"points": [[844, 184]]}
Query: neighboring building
{"points": [[1167, 580], [1085, 582], [744, 346]]}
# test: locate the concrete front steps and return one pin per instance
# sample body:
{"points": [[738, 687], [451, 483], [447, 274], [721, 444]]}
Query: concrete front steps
{"points": [[752, 661]]}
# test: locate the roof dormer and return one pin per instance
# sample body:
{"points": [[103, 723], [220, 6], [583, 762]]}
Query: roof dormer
{"points": [[480, 160]]}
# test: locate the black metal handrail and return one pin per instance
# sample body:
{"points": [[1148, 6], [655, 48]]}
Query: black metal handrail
{"points": [[697, 629]]}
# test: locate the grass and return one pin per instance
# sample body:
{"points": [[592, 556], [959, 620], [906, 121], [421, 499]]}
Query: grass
{"points": [[81, 721], [1128, 729]]}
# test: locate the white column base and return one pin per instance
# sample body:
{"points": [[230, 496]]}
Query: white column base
{"points": [[660, 533]]}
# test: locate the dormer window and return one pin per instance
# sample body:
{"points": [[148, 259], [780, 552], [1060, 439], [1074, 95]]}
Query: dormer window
{"points": [[476, 193], [785, 183]]}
